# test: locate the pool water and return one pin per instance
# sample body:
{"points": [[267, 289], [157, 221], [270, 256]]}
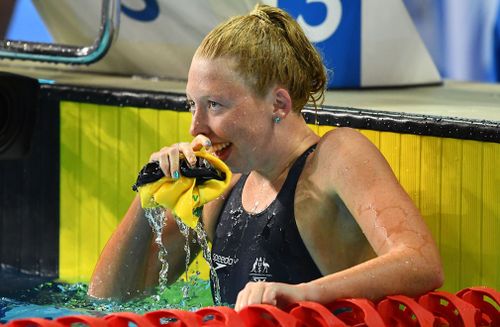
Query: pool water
{"points": [[19, 299], [53, 299]]}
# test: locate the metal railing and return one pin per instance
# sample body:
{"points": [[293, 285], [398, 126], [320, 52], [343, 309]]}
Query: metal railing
{"points": [[69, 54]]}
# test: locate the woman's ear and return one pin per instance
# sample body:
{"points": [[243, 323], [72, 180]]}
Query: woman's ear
{"points": [[282, 102]]}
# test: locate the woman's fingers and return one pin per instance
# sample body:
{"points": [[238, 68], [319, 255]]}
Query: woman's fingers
{"points": [[187, 152], [164, 164], [162, 158], [278, 294], [173, 160], [256, 293], [169, 157], [242, 299], [200, 141]]}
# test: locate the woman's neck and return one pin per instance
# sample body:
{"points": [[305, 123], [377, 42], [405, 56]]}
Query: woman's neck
{"points": [[263, 185], [287, 148]]}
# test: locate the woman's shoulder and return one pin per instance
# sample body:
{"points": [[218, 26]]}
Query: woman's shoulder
{"points": [[344, 143], [344, 154], [343, 136]]}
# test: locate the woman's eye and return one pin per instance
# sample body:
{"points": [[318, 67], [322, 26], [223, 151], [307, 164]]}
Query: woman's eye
{"points": [[212, 105]]}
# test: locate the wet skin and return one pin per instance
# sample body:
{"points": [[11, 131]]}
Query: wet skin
{"points": [[360, 227]]}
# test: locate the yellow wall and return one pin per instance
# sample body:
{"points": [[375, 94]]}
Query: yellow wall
{"points": [[455, 183], [102, 150]]}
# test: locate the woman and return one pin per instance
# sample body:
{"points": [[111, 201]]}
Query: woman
{"points": [[306, 217]]}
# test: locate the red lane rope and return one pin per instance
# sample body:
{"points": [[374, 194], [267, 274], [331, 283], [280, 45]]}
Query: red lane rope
{"points": [[472, 306]]}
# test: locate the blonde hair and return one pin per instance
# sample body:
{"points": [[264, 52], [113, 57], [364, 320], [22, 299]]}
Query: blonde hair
{"points": [[269, 47]]}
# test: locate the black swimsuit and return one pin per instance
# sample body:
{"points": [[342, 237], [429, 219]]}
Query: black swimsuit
{"points": [[261, 247]]}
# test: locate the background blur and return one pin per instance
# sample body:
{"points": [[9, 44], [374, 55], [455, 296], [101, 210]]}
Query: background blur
{"points": [[462, 36]]}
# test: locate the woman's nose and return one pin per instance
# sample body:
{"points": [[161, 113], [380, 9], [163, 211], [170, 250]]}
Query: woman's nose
{"points": [[199, 123]]}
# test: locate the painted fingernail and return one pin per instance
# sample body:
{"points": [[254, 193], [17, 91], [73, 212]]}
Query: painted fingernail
{"points": [[207, 143], [176, 175]]}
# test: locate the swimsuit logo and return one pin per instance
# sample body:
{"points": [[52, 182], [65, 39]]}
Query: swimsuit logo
{"points": [[260, 270], [222, 261]]}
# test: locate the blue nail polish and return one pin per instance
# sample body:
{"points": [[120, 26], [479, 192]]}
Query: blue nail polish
{"points": [[176, 175], [208, 143]]}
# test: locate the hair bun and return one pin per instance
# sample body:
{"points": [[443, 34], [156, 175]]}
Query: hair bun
{"points": [[261, 14]]}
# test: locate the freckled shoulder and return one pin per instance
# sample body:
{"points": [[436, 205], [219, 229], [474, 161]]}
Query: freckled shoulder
{"points": [[338, 148], [342, 156], [212, 210], [345, 142]]}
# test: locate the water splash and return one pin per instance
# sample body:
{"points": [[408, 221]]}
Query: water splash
{"points": [[201, 235], [157, 220], [184, 229]]}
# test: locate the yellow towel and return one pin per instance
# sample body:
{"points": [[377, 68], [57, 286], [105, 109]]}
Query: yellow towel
{"points": [[182, 195]]}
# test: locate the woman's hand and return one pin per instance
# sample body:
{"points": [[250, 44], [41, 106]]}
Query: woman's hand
{"points": [[278, 294], [168, 157]]}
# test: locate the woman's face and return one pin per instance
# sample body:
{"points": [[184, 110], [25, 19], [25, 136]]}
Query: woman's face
{"points": [[238, 123]]}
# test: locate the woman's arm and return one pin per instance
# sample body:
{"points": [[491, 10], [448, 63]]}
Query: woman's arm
{"points": [[129, 265], [349, 166]]}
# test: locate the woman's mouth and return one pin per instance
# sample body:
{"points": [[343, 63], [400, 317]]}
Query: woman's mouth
{"points": [[221, 150]]}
